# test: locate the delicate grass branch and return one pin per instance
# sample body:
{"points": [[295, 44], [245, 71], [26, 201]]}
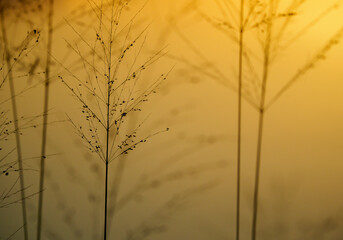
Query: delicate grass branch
{"points": [[15, 123]]}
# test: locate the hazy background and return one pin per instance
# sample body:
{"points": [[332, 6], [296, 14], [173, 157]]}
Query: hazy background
{"points": [[190, 171]]}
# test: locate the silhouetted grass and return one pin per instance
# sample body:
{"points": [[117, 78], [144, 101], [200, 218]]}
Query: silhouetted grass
{"points": [[13, 63], [15, 120], [239, 115], [265, 21], [113, 93], [270, 25], [105, 79], [45, 116]]}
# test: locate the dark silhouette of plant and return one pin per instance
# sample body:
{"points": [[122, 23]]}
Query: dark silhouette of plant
{"points": [[10, 62], [272, 36], [45, 116], [239, 115], [270, 25], [110, 93]]}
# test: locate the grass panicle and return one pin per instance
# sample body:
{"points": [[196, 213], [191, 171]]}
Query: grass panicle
{"points": [[270, 26], [110, 94]]}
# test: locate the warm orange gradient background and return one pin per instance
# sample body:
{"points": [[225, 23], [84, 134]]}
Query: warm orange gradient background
{"points": [[301, 177]]}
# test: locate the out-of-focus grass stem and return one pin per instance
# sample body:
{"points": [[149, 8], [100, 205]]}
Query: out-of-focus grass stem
{"points": [[15, 122], [45, 117], [266, 67], [239, 116]]}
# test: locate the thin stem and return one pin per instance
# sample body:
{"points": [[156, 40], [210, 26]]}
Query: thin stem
{"points": [[239, 120], [15, 123], [106, 184], [257, 174], [109, 88], [107, 144], [266, 65], [118, 176], [45, 118]]}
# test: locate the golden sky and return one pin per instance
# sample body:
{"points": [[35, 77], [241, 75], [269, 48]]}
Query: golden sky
{"points": [[192, 167]]}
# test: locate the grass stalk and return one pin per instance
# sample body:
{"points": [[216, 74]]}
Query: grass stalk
{"points": [[239, 120], [15, 123], [266, 67], [109, 89], [118, 176], [257, 173], [45, 118], [106, 190], [107, 148], [114, 95]]}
